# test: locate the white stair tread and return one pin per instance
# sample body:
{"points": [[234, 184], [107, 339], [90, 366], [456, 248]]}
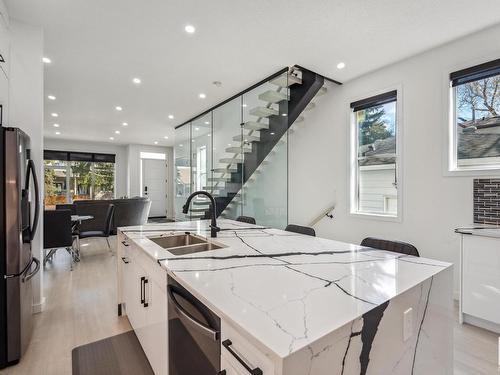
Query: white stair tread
{"points": [[225, 170], [220, 179], [263, 112], [310, 106], [272, 96], [247, 138], [254, 125], [198, 209], [285, 80], [239, 150], [323, 90], [233, 160]]}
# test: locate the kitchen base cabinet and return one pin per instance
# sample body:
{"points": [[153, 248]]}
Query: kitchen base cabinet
{"points": [[480, 281], [143, 298]]}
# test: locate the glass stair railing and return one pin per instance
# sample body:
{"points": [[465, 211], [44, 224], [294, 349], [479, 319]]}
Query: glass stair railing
{"points": [[238, 150]]}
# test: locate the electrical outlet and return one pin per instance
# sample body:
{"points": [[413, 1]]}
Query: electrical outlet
{"points": [[407, 324]]}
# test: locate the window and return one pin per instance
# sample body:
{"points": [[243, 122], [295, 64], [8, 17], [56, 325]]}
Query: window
{"points": [[71, 176], [374, 172], [475, 117]]}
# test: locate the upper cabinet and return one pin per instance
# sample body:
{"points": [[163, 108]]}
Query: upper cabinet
{"points": [[4, 40]]}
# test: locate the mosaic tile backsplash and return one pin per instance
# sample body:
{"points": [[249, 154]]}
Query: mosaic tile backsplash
{"points": [[487, 201]]}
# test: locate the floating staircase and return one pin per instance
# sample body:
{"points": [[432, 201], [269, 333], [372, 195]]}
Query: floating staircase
{"points": [[264, 129]]}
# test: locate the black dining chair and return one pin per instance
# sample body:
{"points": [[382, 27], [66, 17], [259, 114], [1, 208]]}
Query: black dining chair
{"points": [[67, 206], [57, 234], [100, 229], [246, 219], [394, 246], [308, 231]]}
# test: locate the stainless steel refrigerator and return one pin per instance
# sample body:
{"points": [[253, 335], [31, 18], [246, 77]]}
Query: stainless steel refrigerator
{"points": [[19, 210]]}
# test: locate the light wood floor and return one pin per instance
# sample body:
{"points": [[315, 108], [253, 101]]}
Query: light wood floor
{"points": [[81, 308]]}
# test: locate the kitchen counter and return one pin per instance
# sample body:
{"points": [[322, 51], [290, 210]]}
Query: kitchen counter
{"points": [[296, 296], [480, 230]]}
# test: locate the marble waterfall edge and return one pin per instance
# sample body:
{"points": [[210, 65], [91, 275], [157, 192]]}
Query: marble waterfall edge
{"points": [[373, 344]]}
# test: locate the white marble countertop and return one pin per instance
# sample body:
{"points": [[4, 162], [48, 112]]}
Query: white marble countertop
{"points": [[283, 289], [479, 230]]}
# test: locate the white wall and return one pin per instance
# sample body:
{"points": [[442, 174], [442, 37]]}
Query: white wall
{"points": [[121, 160], [133, 153], [26, 112], [433, 203]]}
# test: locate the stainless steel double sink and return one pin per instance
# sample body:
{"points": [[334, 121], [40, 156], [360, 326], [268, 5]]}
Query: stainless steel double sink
{"points": [[183, 244]]}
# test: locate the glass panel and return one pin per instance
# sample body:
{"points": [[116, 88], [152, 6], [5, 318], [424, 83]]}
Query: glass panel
{"points": [[81, 180], [55, 182], [377, 173], [265, 190], [227, 176], [201, 161], [477, 108], [103, 176], [182, 151]]}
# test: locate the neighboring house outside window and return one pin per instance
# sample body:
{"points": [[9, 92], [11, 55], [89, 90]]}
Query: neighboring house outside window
{"points": [[476, 118], [374, 172], [71, 176]]}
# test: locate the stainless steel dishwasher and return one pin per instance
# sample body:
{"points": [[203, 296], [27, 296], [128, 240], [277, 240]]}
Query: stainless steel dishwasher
{"points": [[193, 334]]}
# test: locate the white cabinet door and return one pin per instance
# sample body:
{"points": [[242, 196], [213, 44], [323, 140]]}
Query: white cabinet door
{"points": [[156, 330], [132, 294], [481, 277]]}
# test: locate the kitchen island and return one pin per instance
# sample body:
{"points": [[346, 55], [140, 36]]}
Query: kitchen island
{"points": [[293, 305]]}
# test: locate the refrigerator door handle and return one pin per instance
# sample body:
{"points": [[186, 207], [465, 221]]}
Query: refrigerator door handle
{"points": [[28, 267], [31, 171], [30, 275]]}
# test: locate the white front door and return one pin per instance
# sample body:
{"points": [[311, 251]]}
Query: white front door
{"points": [[154, 185]]}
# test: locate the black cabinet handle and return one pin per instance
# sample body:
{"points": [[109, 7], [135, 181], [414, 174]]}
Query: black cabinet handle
{"points": [[125, 243], [142, 289], [223, 372], [146, 303], [125, 260], [227, 344]]}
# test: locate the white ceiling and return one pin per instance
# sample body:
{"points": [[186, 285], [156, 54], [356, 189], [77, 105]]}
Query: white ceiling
{"points": [[98, 46]]}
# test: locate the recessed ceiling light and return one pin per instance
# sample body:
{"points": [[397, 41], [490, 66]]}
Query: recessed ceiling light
{"points": [[46, 60], [54, 114], [57, 133], [166, 137], [56, 125], [118, 108], [117, 132], [111, 138], [180, 145], [244, 105], [202, 96], [229, 144], [190, 29], [207, 122], [156, 142], [137, 81], [341, 65], [125, 123], [193, 140], [196, 128], [209, 135], [283, 114], [171, 117], [272, 133], [51, 97]]}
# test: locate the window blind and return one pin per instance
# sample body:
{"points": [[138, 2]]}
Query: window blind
{"points": [[374, 101], [78, 156], [474, 73]]}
